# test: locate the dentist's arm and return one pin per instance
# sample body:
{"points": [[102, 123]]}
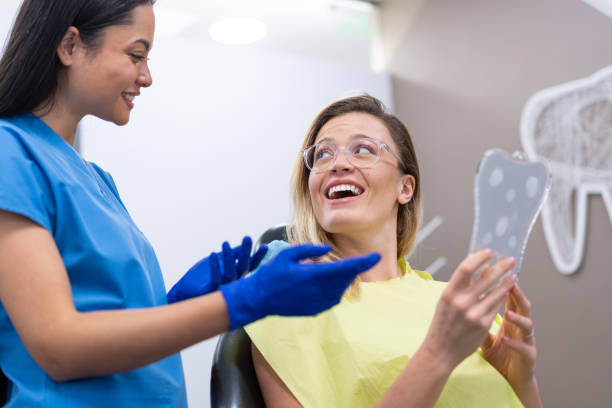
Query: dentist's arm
{"points": [[68, 344]]}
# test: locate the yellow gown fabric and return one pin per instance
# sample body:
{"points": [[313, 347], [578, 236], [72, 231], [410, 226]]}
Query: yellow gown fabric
{"points": [[350, 354]]}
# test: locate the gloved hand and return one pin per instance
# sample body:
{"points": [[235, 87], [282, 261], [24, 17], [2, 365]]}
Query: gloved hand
{"points": [[286, 287], [218, 268]]}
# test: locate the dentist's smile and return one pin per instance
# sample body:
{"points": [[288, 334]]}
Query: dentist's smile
{"points": [[129, 98]]}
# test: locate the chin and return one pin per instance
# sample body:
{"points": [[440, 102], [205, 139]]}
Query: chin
{"points": [[338, 225], [120, 121]]}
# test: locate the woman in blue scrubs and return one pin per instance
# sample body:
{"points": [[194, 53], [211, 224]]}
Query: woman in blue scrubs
{"points": [[84, 319]]}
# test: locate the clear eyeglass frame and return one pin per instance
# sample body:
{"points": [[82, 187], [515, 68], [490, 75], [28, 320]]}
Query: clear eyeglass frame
{"points": [[380, 145]]}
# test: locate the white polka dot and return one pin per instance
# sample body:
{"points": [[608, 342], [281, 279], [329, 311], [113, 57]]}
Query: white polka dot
{"points": [[501, 226], [512, 242], [496, 177], [532, 186], [487, 238], [510, 194]]}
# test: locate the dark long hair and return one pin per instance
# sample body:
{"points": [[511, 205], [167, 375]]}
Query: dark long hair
{"points": [[29, 66]]}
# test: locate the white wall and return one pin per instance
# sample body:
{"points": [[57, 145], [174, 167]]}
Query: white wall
{"points": [[208, 152]]}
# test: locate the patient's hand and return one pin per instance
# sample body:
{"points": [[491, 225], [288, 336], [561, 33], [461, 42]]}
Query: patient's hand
{"points": [[467, 308], [273, 389], [512, 350]]}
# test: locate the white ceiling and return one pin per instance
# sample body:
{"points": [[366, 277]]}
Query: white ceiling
{"points": [[605, 6], [327, 29]]}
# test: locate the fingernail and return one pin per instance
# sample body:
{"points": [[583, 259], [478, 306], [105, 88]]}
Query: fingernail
{"points": [[510, 261]]}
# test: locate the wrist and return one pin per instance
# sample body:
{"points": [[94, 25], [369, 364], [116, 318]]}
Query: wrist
{"points": [[241, 301], [440, 351], [441, 364], [529, 393]]}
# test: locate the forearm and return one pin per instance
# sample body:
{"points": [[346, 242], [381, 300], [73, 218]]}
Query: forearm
{"points": [[530, 396], [37, 296], [107, 342], [420, 383]]}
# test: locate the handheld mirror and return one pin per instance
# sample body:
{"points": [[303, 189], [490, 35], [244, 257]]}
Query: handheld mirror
{"points": [[509, 192]]}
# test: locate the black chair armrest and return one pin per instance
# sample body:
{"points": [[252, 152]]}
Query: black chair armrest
{"points": [[3, 388], [233, 382]]}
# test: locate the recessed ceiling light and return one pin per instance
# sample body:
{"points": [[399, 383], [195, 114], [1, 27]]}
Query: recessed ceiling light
{"points": [[352, 5], [238, 31]]}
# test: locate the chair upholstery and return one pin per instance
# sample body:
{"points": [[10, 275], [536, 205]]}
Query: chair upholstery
{"points": [[233, 383], [275, 233], [3, 388]]}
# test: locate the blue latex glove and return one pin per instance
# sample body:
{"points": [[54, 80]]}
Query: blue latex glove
{"points": [[286, 287], [220, 267]]}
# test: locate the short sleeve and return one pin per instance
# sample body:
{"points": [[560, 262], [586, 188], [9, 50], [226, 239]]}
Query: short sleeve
{"points": [[24, 187]]}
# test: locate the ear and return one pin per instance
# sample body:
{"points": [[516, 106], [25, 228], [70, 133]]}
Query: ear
{"points": [[68, 45], [406, 189]]}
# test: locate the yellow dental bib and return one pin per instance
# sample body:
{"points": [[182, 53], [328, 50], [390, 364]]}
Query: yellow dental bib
{"points": [[349, 355]]}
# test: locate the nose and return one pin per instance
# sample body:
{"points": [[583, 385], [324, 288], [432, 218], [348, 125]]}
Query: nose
{"points": [[342, 163], [145, 79]]}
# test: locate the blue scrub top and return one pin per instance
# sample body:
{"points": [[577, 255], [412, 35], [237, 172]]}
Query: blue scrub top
{"points": [[109, 262]]}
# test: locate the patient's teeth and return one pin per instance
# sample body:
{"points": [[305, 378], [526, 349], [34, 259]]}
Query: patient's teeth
{"points": [[343, 187]]}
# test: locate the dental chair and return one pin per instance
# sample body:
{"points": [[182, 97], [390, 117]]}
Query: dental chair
{"points": [[233, 383], [3, 388]]}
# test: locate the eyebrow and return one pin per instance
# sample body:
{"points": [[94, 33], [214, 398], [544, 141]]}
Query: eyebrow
{"points": [[355, 136], [144, 42]]}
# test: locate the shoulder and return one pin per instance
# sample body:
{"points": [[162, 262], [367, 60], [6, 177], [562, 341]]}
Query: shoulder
{"points": [[274, 248], [20, 150], [25, 186], [424, 275], [27, 137], [408, 270], [13, 136], [277, 246]]}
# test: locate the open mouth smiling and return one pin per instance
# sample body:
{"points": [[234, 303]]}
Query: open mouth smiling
{"points": [[344, 190], [128, 96]]}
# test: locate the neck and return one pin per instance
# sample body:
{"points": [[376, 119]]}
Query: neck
{"points": [[382, 241], [60, 118]]}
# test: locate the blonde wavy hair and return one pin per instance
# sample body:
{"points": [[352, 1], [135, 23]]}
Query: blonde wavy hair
{"points": [[305, 227]]}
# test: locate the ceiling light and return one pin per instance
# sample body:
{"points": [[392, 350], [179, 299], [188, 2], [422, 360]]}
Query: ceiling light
{"points": [[352, 5], [238, 31]]}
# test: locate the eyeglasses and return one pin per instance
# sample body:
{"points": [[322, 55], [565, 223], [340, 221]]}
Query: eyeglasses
{"points": [[362, 152]]}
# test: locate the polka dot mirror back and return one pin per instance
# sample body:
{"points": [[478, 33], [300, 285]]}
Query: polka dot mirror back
{"points": [[509, 192]]}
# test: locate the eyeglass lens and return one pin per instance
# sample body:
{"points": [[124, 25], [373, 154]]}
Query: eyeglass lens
{"points": [[360, 152]]}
